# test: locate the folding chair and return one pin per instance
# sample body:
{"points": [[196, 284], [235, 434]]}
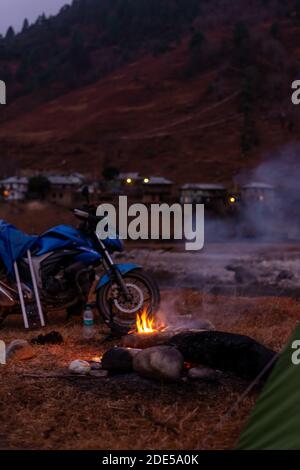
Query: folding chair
{"points": [[32, 312]]}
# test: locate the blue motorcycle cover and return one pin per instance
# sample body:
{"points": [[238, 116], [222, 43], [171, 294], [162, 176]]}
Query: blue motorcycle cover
{"points": [[13, 244]]}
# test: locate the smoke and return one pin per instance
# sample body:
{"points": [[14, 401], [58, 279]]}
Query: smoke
{"points": [[278, 217], [168, 313], [269, 213], [177, 315]]}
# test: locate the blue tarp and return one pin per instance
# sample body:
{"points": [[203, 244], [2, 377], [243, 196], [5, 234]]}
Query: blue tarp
{"points": [[13, 244]]}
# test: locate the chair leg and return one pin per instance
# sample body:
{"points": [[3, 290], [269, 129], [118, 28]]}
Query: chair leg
{"points": [[21, 296], [35, 289]]}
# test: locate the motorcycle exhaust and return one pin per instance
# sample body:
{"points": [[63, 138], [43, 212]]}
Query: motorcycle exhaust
{"points": [[7, 297]]}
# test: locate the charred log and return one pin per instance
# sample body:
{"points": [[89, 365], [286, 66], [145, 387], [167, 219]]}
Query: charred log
{"points": [[229, 352]]}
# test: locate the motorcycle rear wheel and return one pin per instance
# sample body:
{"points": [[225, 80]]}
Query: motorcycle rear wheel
{"points": [[121, 314]]}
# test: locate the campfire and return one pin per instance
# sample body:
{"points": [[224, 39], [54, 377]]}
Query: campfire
{"points": [[146, 324], [152, 331], [147, 332], [169, 352]]}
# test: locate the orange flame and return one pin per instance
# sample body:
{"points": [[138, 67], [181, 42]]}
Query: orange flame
{"points": [[146, 324], [96, 359]]}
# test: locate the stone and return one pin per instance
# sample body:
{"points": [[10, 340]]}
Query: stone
{"points": [[203, 373], [20, 350], [242, 274], [79, 367], [159, 363], [223, 351], [95, 365], [99, 373], [119, 360]]}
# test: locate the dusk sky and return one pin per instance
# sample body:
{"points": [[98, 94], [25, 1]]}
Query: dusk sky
{"points": [[13, 12]]}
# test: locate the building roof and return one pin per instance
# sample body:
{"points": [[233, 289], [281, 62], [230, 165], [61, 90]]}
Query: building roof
{"points": [[131, 175], [158, 180], [203, 186], [257, 185], [14, 180], [64, 180], [135, 176], [74, 179]]}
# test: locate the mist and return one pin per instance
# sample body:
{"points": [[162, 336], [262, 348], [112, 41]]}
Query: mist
{"points": [[280, 218], [273, 216]]}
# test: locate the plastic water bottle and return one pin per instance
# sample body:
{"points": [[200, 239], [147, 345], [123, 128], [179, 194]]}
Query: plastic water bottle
{"points": [[88, 323]]}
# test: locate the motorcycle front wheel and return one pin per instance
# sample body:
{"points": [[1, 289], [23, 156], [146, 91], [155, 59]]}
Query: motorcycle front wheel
{"points": [[120, 312]]}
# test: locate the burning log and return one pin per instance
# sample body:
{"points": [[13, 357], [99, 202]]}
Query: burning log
{"points": [[149, 333], [224, 351], [157, 338], [143, 341]]}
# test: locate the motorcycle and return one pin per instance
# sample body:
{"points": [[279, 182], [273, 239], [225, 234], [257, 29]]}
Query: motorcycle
{"points": [[58, 269]]}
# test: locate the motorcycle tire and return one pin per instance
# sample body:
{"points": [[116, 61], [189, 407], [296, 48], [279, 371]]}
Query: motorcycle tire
{"points": [[116, 312]]}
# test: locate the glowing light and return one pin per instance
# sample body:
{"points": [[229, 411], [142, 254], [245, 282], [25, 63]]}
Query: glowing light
{"points": [[6, 193], [232, 200], [146, 180], [129, 181], [146, 324], [96, 358]]}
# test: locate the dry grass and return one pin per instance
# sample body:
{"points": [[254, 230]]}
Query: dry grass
{"points": [[127, 412]]}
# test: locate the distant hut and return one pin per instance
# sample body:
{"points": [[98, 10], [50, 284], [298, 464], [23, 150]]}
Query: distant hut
{"points": [[213, 196], [63, 189], [258, 193], [14, 188], [129, 184], [157, 189]]}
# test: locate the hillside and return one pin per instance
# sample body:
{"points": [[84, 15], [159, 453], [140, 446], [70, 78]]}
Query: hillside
{"points": [[202, 92]]}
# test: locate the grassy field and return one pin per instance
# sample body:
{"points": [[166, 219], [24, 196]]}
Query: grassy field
{"points": [[126, 412]]}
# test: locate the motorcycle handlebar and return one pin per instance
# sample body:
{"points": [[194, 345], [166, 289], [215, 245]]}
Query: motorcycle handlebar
{"points": [[86, 216], [81, 214]]}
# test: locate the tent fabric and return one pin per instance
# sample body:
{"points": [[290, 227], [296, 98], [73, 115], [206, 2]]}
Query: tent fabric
{"points": [[13, 244], [275, 422]]}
